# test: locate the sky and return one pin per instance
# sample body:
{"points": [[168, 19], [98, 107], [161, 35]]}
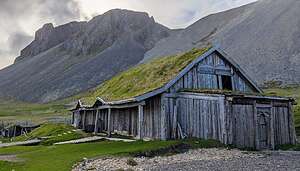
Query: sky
{"points": [[19, 19]]}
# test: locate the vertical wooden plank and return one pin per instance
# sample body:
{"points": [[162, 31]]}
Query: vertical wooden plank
{"points": [[255, 125], [140, 121], [174, 126], [222, 126], [163, 119], [109, 124], [292, 131], [96, 122], [84, 120], [272, 140]]}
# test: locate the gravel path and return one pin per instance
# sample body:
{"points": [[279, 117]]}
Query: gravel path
{"points": [[92, 139], [201, 159], [30, 142]]}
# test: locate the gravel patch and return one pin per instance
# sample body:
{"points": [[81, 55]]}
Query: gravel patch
{"points": [[200, 159]]}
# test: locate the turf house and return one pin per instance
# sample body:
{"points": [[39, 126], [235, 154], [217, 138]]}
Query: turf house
{"points": [[202, 93]]}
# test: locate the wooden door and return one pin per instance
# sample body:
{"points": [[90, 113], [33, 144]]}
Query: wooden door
{"points": [[263, 126]]}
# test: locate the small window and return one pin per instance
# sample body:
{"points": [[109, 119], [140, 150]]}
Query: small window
{"points": [[226, 82]]}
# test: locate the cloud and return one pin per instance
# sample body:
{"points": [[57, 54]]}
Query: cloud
{"points": [[21, 18], [172, 13]]}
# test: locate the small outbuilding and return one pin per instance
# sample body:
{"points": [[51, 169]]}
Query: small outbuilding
{"points": [[202, 93]]}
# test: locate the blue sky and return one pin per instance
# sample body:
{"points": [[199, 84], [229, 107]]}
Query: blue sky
{"points": [[21, 18]]}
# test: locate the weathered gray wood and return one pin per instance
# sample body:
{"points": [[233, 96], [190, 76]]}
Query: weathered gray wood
{"points": [[96, 122], [109, 129], [163, 119], [256, 125], [174, 127], [292, 135], [84, 120], [140, 121]]}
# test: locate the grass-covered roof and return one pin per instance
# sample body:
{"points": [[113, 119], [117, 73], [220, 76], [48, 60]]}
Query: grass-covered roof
{"points": [[142, 78]]}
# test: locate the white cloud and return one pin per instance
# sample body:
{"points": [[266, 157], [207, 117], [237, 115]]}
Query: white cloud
{"points": [[172, 13]]}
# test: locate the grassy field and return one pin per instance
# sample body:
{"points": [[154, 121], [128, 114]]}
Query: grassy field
{"points": [[12, 111], [54, 132], [63, 157], [289, 92]]}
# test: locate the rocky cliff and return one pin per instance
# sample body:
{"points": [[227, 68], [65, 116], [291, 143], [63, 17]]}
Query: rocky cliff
{"points": [[71, 58]]}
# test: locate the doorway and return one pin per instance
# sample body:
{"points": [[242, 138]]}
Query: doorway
{"points": [[263, 124]]}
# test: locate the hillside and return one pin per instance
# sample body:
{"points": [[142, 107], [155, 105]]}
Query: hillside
{"points": [[262, 37], [132, 83], [62, 61], [65, 60]]}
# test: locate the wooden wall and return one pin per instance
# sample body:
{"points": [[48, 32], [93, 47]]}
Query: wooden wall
{"points": [[238, 122], [124, 121], [205, 75], [245, 124], [197, 116], [152, 118]]}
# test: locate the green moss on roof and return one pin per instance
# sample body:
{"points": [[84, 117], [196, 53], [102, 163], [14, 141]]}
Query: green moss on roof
{"points": [[142, 78]]}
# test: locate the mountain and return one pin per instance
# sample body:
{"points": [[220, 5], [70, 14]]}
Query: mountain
{"points": [[71, 58], [263, 37]]}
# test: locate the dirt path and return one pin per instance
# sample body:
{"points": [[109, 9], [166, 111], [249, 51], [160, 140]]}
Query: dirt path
{"points": [[30, 142], [92, 139], [10, 158]]}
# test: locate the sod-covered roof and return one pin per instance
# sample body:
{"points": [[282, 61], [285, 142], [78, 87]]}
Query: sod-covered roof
{"points": [[142, 78]]}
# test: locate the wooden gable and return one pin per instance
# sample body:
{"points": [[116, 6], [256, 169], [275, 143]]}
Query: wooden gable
{"points": [[214, 72], [208, 71]]}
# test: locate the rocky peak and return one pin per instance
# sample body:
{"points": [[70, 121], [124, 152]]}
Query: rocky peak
{"points": [[117, 25], [44, 32], [49, 36]]}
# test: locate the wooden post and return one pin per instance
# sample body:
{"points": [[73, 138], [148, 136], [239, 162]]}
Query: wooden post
{"points": [[83, 120], [109, 123], [223, 136], [140, 122], [256, 126], [174, 131], [163, 119], [96, 122], [292, 131], [272, 125]]}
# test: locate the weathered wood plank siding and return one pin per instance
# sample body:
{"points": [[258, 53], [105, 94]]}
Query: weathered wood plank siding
{"points": [[152, 122], [205, 75], [198, 116], [248, 129]]}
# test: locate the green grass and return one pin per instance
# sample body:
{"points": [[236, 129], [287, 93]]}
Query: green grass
{"points": [[289, 147], [142, 78], [55, 132], [293, 92], [12, 111], [63, 157]]}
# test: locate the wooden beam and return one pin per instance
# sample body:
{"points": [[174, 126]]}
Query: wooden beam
{"points": [[120, 106], [109, 122], [83, 119], [96, 122], [140, 121], [272, 125], [292, 131], [256, 126], [163, 119], [174, 130]]}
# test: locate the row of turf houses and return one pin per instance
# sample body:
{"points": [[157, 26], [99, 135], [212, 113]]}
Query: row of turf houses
{"points": [[202, 93]]}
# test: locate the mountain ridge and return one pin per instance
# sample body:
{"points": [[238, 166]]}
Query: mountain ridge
{"points": [[261, 40]]}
